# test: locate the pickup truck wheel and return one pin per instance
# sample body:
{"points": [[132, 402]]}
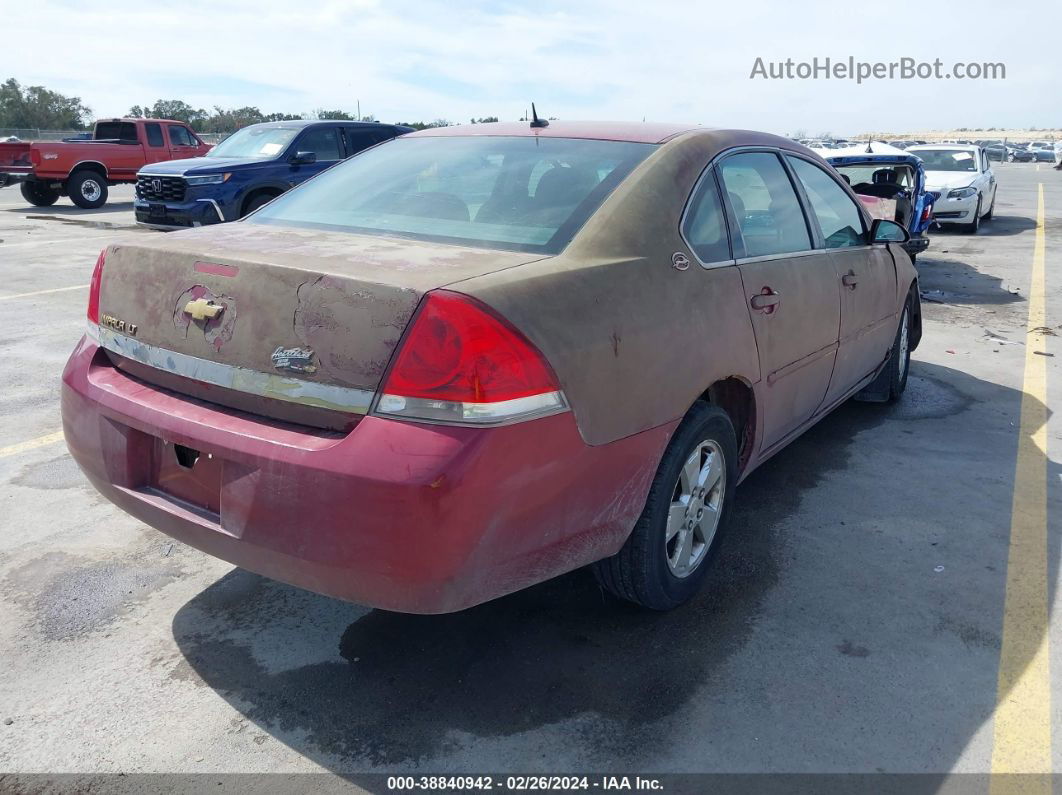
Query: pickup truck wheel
{"points": [[87, 189], [665, 558], [38, 194]]}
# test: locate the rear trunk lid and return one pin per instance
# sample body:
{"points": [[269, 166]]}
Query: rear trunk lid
{"points": [[283, 317]]}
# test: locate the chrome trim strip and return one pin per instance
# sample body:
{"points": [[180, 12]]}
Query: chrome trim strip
{"points": [[241, 379], [783, 255], [447, 412], [217, 209]]}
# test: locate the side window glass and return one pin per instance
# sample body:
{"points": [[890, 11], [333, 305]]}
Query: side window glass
{"points": [[358, 140], [154, 134], [765, 203], [839, 217], [322, 141], [179, 136], [704, 226]]}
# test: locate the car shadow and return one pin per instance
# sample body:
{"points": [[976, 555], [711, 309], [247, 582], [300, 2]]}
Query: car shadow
{"points": [[945, 279], [72, 209], [360, 690], [1000, 225]]}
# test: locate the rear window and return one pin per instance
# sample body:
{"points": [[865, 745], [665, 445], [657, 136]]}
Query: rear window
{"points": [[947, 159], [115, 131], [516, 193]]}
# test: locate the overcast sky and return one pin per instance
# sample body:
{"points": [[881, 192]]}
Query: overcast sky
{"points": [[661, 60]]}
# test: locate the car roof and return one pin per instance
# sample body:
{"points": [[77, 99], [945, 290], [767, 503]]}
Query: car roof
{"points": [[635, 132], [298, 124], [871, 158]]}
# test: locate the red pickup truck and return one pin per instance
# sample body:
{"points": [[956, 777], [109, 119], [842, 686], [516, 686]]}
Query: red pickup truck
{"points": [[83, 169]]}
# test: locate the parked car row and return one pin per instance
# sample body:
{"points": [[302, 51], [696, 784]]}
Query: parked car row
{"points": [[175, 186]]}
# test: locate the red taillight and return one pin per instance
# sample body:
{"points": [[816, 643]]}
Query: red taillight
{"points": [[926, 212], [461, 362], [94, 289]]}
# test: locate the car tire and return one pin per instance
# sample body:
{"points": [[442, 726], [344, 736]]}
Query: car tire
{"points": [[899, 364], [665, 559], [257, 201], [991, 208], [87, 189], [972, 227], [39, 194]]}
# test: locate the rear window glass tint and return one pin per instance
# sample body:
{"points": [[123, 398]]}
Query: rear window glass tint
{"points": [[518, 193]]}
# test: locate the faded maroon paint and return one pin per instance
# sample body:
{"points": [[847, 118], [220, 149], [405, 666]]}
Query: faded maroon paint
{"points": [[397, 515]]}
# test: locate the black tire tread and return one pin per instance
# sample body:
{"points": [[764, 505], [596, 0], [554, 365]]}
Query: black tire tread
{"points": [[627, 575]]}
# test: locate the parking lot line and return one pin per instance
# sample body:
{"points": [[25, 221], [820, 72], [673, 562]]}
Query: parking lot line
{"points": [[1022, 724], [43, 292], [32, 444]]}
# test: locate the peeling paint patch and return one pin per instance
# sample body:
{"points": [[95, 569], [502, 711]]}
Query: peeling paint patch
{"points": [[216, 330]]}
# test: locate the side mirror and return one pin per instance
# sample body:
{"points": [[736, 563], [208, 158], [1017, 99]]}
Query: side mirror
{"points": [[303, 158], [886, 231]]}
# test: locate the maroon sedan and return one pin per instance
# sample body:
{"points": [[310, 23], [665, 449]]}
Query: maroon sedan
{"points": [[474, 358]]}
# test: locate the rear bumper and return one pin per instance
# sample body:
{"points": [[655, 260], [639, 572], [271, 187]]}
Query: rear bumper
{"points": [[164, 215], [916, 245], [398, 515]]}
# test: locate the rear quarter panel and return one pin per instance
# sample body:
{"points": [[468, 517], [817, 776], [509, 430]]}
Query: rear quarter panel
{"points": [[633, 340]]}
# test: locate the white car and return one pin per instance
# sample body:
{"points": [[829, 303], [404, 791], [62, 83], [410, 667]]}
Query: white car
{"points": [[963, 177]]}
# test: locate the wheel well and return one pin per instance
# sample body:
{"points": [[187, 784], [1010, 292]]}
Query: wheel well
{"points": [[90, 165], [736, 398], [270, 192]]}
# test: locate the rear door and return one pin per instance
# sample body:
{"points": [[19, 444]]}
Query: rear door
{"points": [[864, 275], [361, 138], [791, 290], [155, 148]]}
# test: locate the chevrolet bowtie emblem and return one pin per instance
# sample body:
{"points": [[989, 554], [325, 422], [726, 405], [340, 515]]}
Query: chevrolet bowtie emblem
{"points": [[202, 309]]}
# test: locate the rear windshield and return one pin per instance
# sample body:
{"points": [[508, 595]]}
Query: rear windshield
{"points": [[255, 142], [947, 159], [515, 193], [115, 131]]}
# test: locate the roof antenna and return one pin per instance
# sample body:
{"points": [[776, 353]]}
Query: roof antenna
{"points": [[535, 120], [870, 148]]}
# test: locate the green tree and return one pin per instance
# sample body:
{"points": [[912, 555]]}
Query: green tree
{"points": [[332, 115], [40, 108], [175, 109]]}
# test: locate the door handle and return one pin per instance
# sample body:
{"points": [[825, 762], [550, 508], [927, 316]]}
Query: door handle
{"points": [[766, 301], [849, 280]]}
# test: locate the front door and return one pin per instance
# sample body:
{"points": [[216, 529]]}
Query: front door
{"points": [[324, 143], [865, 276], [791, 289]]}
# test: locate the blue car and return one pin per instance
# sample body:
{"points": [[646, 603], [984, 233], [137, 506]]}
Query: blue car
{"points": [[897, 176], [248, 169]]}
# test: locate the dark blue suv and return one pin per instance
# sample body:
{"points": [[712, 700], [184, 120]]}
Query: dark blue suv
{"points": [[249, 168]]}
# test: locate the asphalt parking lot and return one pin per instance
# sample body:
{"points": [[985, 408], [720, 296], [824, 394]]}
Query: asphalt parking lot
{"points": [[854, 619]]}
